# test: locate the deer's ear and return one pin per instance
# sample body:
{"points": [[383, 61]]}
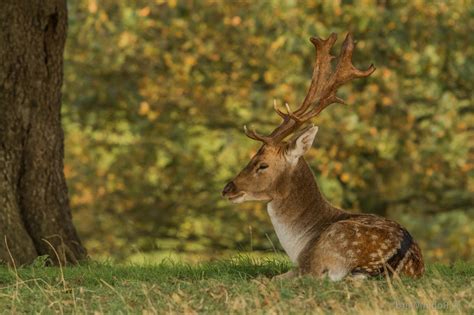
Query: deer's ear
{"points": [[300, 144]]}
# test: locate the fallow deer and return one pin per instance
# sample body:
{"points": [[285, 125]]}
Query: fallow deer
{"points": [[321, 239]]}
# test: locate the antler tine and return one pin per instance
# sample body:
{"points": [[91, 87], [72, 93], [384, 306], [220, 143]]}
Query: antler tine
{"points": [[322, 68], [279, 112], [323, 104], [321, 71], [322, 90], [345, 70], [254, 135], [286, 117]]}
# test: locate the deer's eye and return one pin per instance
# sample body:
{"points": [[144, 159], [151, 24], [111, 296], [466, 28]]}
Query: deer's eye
{"points": [[262, 167]]}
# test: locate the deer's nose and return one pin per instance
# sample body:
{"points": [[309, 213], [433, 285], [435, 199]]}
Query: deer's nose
{"points": [[228, 188]]}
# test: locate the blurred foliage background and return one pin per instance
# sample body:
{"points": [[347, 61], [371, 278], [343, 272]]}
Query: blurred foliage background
{"points": [[156, 94]]}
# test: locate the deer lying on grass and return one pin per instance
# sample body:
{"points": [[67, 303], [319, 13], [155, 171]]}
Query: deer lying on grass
{"points": [[320, 238]]}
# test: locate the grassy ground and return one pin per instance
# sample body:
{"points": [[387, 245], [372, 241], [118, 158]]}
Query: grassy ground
{"points": [[240, 285]]}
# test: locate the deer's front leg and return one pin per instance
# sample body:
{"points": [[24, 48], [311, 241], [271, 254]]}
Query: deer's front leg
{"points": [[293, 273]]}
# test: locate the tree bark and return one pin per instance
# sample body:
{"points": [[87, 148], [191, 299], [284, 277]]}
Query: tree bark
{"points": [[35, 216]]}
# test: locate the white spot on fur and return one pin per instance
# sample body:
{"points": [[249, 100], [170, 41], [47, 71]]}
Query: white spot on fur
{"points": [[292, 240]]}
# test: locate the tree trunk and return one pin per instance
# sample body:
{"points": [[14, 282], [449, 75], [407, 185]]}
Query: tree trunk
{"points": [[35, 217]]}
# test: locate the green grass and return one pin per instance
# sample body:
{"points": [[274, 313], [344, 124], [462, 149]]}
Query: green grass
{"points": [[239, 285]]}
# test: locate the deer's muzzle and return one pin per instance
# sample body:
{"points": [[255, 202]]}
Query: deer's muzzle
{"points": [[229, 188]]}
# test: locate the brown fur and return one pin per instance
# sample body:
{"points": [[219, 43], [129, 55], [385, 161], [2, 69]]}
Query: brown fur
{"points": [[338, 243], [320, 238]]}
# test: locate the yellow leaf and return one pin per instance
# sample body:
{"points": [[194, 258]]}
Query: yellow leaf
{"points": [[153, 116], [345, 177], [277, 43], [92, 6], [386, 101], [126, 39], [144, 12], [268, 76], [236, 20], [144, 108], [337, 167], [189, 61]]}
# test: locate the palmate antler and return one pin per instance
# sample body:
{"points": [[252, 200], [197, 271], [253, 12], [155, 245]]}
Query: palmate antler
{"points": [[322, 91]]}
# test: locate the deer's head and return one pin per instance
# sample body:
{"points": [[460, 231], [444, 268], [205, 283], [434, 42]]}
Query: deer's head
{"points": [[264, 176]]}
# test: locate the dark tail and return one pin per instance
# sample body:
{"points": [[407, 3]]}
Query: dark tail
{"points": [[395, 261]]}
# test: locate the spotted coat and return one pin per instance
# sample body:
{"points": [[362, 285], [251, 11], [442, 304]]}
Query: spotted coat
{"points": [[364, 244]]}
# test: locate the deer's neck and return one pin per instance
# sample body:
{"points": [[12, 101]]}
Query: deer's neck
{"points": [[299, 213]]}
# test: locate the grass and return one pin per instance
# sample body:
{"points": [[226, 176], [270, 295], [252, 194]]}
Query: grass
{"points": [[241, 285]]}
